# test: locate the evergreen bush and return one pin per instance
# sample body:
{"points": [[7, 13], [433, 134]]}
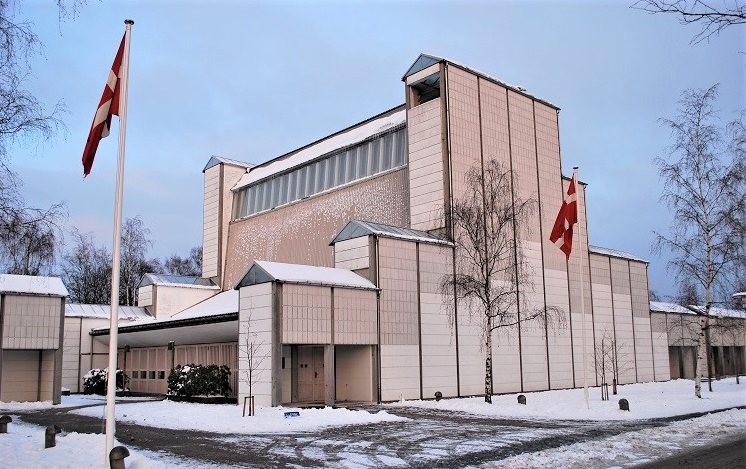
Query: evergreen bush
{"points": [[199, 380], [94, 382]]}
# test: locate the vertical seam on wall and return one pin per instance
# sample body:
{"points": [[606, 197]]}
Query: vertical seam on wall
{"points": [[632, 315], [613, 319], [515, 238], [39, 375], [541, 245], [419, 315], [378, 316], [590, 286], [221, 181], [449, 226], [80, 354], [652, 344]]}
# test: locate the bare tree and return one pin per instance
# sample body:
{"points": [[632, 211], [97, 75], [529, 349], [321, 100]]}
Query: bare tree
{"points": [[190, 266], [611, 361], [712, 20], [86, 271], [134, 247], [254, 351], [688, 294], [29, 237], [704, 187], [22, 117], [492, 276]]}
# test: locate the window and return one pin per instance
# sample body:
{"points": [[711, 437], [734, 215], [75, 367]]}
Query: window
{"points": [[425, 90], [363, 160]]}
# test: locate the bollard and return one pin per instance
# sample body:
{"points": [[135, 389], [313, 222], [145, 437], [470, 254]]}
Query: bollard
{"points": [[4, 421], [623, 404], [50, 436], [438, 395], [116, 457], [521, 399]]}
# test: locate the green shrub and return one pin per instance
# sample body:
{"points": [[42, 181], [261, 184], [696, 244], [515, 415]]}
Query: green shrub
{"points": [[94, 382], [199, 380]]}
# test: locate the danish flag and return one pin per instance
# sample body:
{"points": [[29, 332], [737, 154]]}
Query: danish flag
{"points": [[566, 218], [109, 106]]}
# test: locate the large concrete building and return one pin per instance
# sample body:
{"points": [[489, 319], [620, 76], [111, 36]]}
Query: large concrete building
{"points": [[327, 262]]}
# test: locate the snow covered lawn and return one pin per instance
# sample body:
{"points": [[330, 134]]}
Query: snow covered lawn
{"points": [[23, 446], [646, 400]]}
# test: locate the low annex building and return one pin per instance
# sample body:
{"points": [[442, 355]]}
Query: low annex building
{"points": [[326, 262], [32, 318]]}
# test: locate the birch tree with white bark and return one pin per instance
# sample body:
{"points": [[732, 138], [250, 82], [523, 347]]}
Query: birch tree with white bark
{"points": [[492, 278], [703, 175]]}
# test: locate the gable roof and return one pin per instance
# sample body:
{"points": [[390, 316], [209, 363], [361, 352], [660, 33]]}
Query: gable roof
{"points": [[32, 285], [357, 228], [216, 160], [265, 271]]}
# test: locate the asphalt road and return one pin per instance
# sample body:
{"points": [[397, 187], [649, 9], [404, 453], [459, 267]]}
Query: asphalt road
{"points": [[728, 455], [431, 439]]}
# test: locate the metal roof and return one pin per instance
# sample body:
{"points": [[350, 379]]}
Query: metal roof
{"points": [[175, 280], [265, 271], [216, 160], [32, 285], [357, 228], [125, 313], [426, 60], [614, 253]]}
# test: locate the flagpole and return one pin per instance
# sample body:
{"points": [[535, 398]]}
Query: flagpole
{"points": [[582, 312], [114, 317]]}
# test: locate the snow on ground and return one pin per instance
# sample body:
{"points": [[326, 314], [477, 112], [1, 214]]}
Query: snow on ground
{"points": [[228, 418], [23, 445], [646, 400], [633, 448]]}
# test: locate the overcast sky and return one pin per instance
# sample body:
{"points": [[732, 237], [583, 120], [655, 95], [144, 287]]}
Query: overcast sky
{"points": [[251, 80]]}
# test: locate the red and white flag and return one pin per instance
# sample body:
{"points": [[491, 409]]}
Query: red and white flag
{"points": [[566, 218], [109, 106]]}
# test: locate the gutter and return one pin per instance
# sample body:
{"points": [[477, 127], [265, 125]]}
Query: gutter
{"points": [[154, 326]]}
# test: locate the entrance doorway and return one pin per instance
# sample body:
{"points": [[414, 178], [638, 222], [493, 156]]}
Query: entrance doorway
{"points": [[310, 374]]}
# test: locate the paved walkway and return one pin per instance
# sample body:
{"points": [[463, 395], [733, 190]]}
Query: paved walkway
{"points": [[431, 439]]}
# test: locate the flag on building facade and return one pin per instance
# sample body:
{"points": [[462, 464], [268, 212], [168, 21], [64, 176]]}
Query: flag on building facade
{"points": [[109, 106], [566, 218]]}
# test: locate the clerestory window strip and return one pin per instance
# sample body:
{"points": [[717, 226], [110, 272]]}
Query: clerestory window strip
{"points": [[369, 158]]}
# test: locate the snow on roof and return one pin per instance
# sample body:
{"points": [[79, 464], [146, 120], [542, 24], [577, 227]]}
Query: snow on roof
{"points": [[176, 281], [308, 274], [350, 136], [126, 313], [662, 307], [216, 160], [222, 303], [614, 253], [32, 284], [357, 228], [425, 60]]}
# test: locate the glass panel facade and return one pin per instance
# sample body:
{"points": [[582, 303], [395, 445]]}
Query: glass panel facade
{"points": [[360, 161]]}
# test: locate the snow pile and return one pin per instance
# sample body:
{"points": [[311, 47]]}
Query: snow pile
{"points": [[23, 447], [646, 400], [228, 418]]}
